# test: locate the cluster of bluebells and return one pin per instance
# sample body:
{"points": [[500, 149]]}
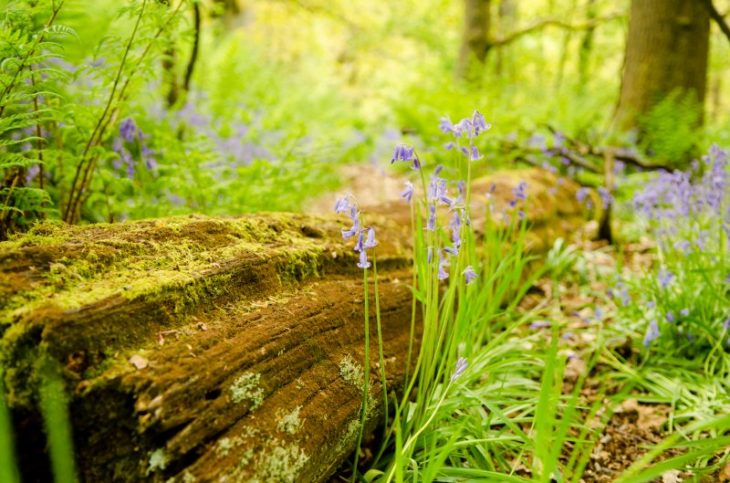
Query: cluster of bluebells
{"points": [[437, 194], [689, 215], [365, 237], [697, 200], [469, 128], [131, 138]]}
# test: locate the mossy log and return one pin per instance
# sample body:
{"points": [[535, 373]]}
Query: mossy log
{"points": [[214, 349]]}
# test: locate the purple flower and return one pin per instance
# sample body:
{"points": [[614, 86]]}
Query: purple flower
{"points": [[619, 167], [684, 312], [652, 332], [407, 193], [359, 244], [670, 317], [463, 127], [32, 173], [665, 277], [479, 123], [453, 251], [598, 314], [726, 324], [474, 154], [469, 274], [540, 324], [342, 205], [461, 186], [370, 242], [520, 191], [455, 225], [347, 234], [445, 125], [461, 366], [582, 194], [443, 263], [363, 263], [127, 130], [431, 224], [405, 153]]}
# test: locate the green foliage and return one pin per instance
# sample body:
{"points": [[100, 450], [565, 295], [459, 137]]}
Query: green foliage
{"points": [[54, 408], [8, 471], [670, 131]]}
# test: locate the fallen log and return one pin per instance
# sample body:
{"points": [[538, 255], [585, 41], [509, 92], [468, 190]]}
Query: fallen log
{"points": [[215, 349]]}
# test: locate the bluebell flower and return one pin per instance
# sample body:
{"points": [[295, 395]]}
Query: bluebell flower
{"points": [[469, 274], [453, 251], [359, 244], [461, 187], [370, 242], [479, 123], [407, 193], [665, 277], [520, 191], [463, 127], [405, 153], [652, 333], [443, 263], [342, 205], [540, 324], [461, 366], [726, 324], [127, 130], [363, 263], [347, 234], [445, 125], [670, 317], [684, 312], [474, 154], [455, 225], [582, 194], [431, 223]]}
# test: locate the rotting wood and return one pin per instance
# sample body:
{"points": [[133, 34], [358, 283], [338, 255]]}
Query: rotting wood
{"points": [[211, 349]]}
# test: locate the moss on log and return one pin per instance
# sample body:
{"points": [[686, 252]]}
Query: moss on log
{"points": [[212, 349]]}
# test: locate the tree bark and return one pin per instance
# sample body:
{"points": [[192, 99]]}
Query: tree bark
{"points": [[475, 38], [666, 51]]}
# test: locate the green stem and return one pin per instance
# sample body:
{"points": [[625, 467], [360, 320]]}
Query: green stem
{"points": [[366, 377]]}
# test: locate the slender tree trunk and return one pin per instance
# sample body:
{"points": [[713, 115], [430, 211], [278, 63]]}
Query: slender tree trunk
{"points": [[475, 42], [667, 51], [586, 45], [507, 20]]}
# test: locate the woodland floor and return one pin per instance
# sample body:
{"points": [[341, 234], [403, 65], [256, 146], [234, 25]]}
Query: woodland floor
{"points": [[632, 428]]}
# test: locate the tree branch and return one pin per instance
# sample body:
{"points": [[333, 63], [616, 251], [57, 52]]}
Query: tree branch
{"points": [[551, 22], [717, 17], [196, 46]]}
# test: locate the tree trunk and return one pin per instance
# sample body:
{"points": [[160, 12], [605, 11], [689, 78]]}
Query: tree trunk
{"points": [[666, 52], [475, 40]]}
